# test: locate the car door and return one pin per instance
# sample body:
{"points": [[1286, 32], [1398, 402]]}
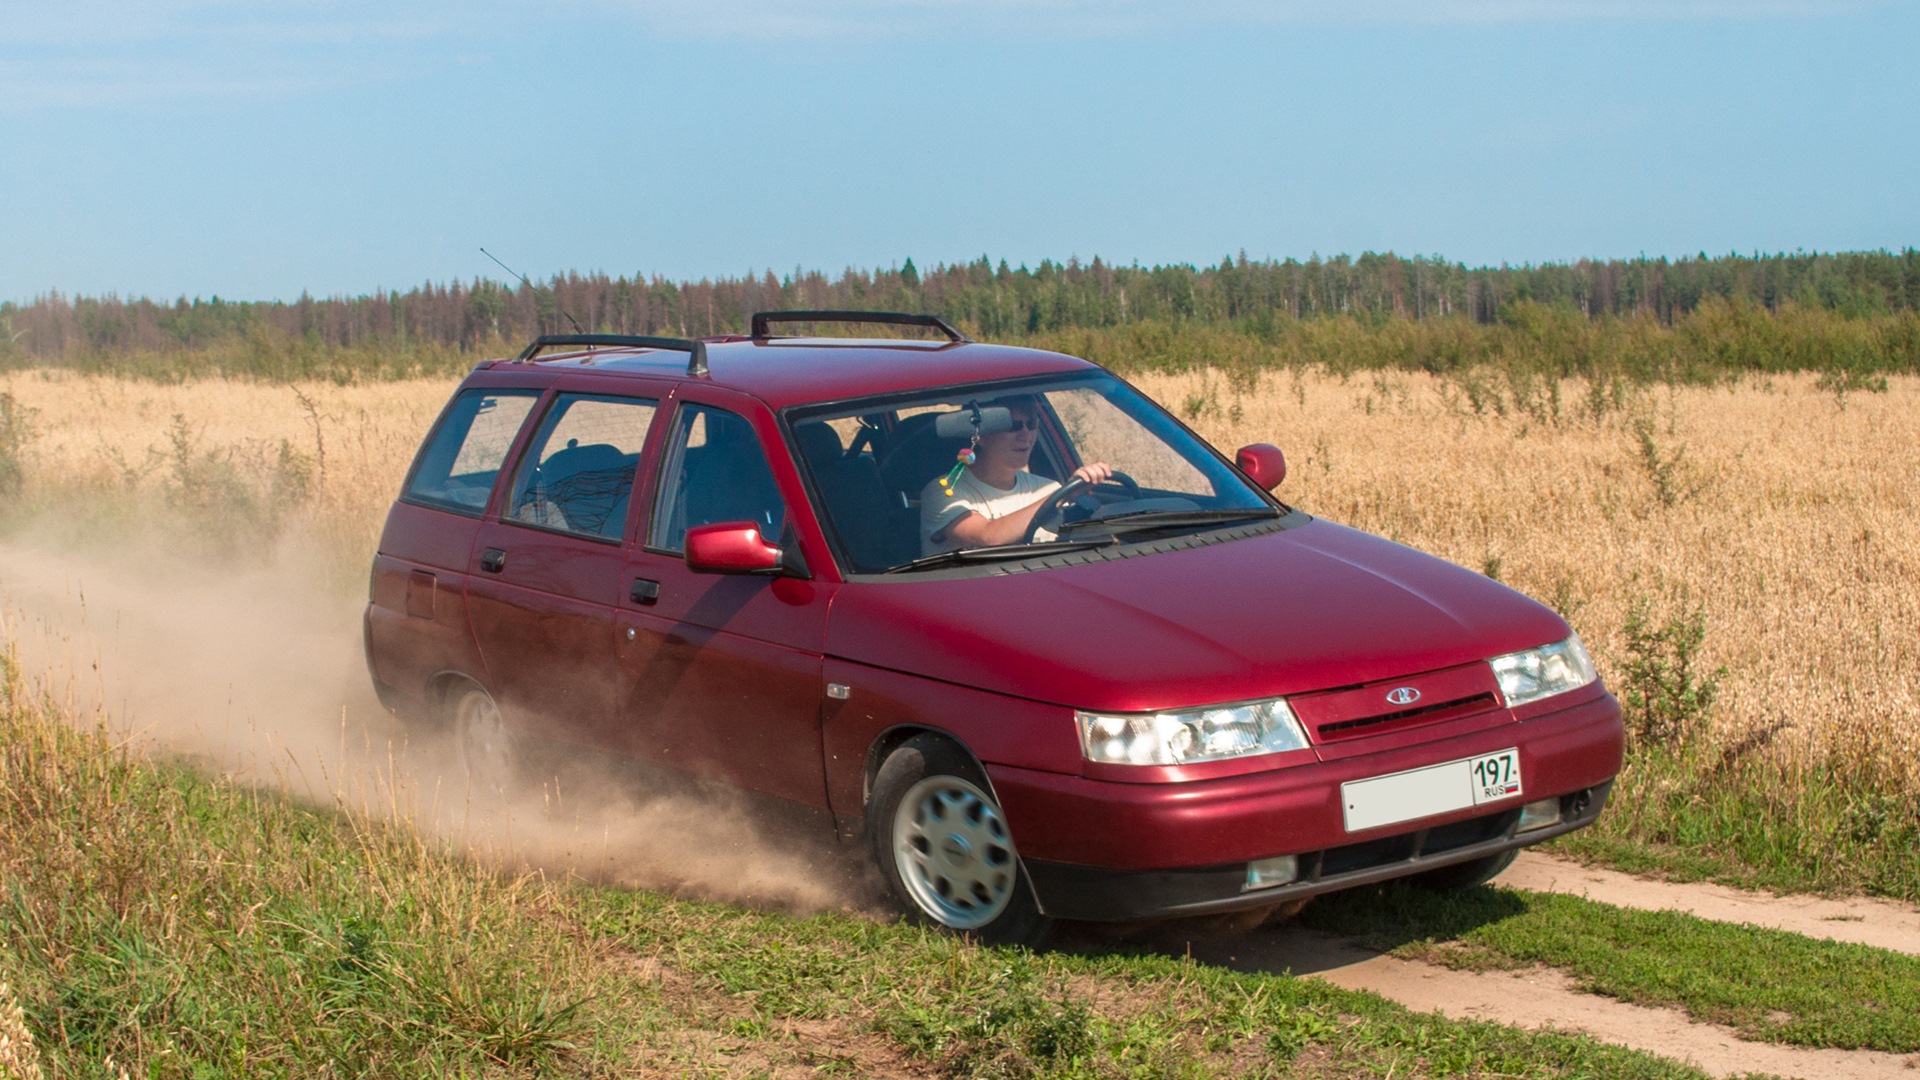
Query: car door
{"points": [[721, 674], [545, 579]]}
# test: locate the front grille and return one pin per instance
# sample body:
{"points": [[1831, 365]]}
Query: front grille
{"points": [[1370, 854], [1464, 833], [1367, 855], [1424, 714]]}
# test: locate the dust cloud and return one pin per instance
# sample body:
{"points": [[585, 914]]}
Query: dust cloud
{"points": [[255, 675]]}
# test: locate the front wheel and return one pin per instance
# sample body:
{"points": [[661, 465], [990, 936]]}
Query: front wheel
{"points": [[942, 844]]}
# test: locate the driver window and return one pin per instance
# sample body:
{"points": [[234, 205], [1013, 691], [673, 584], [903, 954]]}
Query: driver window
{"points": [[716, 471]]}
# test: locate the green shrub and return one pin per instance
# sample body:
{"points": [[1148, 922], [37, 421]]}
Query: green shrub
{"points": [[234, 495], [1668, 694]]}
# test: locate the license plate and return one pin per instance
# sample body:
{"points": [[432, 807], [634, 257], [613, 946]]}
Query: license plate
{"points": [[1435, 789]]}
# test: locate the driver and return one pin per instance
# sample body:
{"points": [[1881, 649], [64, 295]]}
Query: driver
{"points": [[994, 499]]}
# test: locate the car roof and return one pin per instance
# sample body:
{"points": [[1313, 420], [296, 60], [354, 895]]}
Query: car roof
{"points": [[785, 371]]}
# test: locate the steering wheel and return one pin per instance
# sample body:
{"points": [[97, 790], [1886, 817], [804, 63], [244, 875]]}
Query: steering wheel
{"points": [[1054, 507]]}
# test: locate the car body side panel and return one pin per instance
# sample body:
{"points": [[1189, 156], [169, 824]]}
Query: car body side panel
{"points": [[416, 619], [708, 684], [544, 624], [997, 729]]}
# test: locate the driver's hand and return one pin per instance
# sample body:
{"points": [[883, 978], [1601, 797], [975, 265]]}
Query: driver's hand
{"points": [[1094, 473]]}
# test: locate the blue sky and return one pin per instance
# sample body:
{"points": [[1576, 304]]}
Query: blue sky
{"points": [[256, 150]]}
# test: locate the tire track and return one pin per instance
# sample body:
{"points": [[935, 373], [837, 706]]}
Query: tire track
{"points": [[1541, 998]]}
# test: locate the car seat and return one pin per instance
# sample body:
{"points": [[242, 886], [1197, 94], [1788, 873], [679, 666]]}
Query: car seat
{"points": [[727, 479], [589, 486], [915, 455], [858, 509]]}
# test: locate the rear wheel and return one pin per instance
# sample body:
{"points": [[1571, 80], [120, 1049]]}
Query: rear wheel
{"points": [[942, 844], [482, 741], [1466, 875]]}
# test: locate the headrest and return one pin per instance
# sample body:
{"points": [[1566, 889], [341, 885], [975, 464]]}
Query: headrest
{"points": [[819, 443]]}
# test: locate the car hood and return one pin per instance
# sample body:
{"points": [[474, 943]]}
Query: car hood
{"points": [[1311, 607]]}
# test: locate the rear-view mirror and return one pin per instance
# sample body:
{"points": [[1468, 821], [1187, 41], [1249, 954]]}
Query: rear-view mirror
{"points": [[959, 425]]}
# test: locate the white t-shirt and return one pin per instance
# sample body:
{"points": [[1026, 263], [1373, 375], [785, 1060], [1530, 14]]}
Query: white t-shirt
{"points": [[971, 494]]}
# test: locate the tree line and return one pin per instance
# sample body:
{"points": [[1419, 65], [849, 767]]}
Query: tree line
{"points": [[993, 301], [1855, 315]]}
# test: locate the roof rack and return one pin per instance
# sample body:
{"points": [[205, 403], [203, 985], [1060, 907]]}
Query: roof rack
{"points": [[895, 318], [697, 350]]}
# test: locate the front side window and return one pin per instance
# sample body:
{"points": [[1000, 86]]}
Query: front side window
{"points": [[898, 477], [716, 471], [459, 464], [577, 474]]}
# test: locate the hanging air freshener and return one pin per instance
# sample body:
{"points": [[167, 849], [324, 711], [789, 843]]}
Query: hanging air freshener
{"points": [[966, 457]]}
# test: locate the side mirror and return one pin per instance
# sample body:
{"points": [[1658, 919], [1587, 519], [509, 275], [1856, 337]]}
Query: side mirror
{"points": [[1263, 463], [736, 547]]}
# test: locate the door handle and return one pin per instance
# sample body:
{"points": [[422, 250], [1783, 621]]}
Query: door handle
{"points": [[644, 591], [493, 560]]}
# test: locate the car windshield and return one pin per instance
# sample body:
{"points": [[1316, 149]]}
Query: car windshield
{"points": [[896, 487]]}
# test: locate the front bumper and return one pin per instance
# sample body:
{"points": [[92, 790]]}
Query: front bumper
{"points": [[1067, 891], [1101, 849]]}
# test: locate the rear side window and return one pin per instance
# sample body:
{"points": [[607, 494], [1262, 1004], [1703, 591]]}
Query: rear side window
{"points": [[458, 465], [716, 471], [577, 475]]}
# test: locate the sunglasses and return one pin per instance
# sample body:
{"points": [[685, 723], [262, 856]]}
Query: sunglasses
{"points": [[1029, 424]]}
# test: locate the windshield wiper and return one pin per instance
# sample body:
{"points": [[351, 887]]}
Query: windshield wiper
{"points": [[1169, 519], [997, 553]]}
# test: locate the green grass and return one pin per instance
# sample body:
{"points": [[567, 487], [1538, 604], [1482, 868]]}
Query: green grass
{"points": [[1691, 814], [980, 1012], [1766, 984], [148, 916], [158, 923]]}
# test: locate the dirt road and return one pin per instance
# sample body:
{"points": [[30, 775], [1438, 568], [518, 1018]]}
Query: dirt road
{"points": [[1884, 924], [1545, 998], [1542, 998]]}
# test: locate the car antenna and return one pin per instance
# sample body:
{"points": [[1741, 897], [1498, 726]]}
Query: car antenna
{"points": [[530, 285]]}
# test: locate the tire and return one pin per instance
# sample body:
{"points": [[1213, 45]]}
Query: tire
{"points": [[943, 846], [1466, 875], [482, 743]]}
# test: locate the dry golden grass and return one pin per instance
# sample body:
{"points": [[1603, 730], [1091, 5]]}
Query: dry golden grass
{"points": [[1787, 517], [1792, 522], [106, 439], [18, 1059]]}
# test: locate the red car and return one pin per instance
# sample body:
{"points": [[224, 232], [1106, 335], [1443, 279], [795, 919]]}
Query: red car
{"points": [[991, 608]]}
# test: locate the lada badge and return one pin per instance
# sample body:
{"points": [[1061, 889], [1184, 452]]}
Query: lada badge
{"points": [[1403, 695]]}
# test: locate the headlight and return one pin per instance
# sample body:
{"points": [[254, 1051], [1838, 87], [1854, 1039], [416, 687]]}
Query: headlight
{"points": [[1543, 672], [1182, 738]]}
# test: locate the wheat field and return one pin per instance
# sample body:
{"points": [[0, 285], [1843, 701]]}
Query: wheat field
{"points": [[1780, 512]]}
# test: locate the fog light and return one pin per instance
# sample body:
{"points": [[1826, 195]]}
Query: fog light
{"points": [[1266, 873], [1539, 815]]}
